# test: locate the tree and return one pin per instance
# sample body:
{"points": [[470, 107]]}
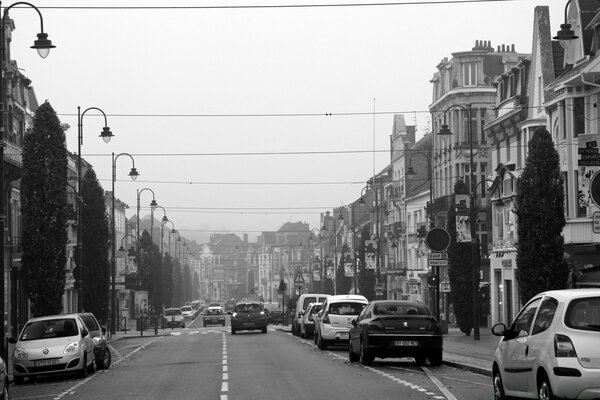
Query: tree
{"points": [[540, 212], [460, 271], [44, 210], [167, 280], [366, 277], [96, 239]]}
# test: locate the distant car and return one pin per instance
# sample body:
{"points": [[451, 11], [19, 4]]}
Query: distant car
{"points": [[248, 316], [188, 312], [396, 328], [173, 317], [4, 395], [335, 318], [551, 349], [53, 345], [229, 306], [98, 334], [213, 316], [307, 322], [303, 301]]}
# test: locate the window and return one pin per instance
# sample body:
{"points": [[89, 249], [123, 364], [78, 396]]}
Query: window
{"points": [[578, 116], [470, 74], [545, 315], [522, 324]]}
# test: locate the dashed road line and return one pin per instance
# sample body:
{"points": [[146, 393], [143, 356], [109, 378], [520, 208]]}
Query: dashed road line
{"points": [[225, 379]]}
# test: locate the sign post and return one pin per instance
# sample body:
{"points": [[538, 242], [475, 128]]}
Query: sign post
{"points": [[437, 240]]}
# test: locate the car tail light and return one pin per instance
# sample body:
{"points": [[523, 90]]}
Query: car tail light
{"points": [[563, 347], [234, 314], [262, 313], [374, 326]]}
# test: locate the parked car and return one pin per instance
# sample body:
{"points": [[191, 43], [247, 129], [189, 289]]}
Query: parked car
{"points": [[98, 334], [551, 349], [188, 312], [173, 317], [274, 312], [303, 301], [307, 322], [396, 328], [336, 318], [53, 345], [248, 316], [4, 395], [213, 316]]}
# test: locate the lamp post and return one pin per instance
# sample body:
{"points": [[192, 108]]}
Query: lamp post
{"points": [[160, 271], [153, 205], [411, 172], [565, 35], [113, 267], [472, 217], [335, 263], [43, 46], [106, 135], [310, 240]]}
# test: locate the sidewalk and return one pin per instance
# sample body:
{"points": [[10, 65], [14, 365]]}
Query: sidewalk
{"points": [[459, 350]]}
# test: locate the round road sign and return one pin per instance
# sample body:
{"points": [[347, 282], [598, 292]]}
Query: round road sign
{"points": [[595, 188], [437, 239]]}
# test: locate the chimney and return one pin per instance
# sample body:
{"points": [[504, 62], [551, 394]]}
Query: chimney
{"points": [[245, 238]]}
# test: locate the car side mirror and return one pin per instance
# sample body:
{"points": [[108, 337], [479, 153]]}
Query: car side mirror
{"points": [[104, 330], [12, 340], [353, 322], [499, 329]]}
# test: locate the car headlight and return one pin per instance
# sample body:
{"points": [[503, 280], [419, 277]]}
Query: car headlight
{"points": [[96, 340], [72, 348], [234, 314], [20, 353]]}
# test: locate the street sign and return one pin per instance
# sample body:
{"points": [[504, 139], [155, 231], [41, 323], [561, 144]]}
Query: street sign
{"points": [[596, 222], [299, 280], [437, 263], [379, 288], [437, 239], [445, 287], [438, 256]]}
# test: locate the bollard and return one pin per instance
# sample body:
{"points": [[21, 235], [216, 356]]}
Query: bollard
{"points": [[156, 324]]}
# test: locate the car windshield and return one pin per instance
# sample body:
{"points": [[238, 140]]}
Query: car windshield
{"points": [[346, 308], [400, 309], [53, 328], [248, 308], [172, 311], [584, 314]]}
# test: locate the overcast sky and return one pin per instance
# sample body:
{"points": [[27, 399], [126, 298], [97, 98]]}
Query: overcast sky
{"points": [[225, 109]]}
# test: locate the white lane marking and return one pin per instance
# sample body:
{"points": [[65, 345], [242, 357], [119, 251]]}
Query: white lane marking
{"points": [[439, 384], [225, 382]]}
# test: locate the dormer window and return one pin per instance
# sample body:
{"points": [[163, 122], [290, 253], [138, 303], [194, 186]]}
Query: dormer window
{"points": [[469, 74]]}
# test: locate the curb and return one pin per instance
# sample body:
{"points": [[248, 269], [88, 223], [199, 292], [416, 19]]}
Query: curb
{"points": [[472, 368]]}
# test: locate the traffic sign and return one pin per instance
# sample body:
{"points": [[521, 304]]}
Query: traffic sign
{"points": [[437, 263], [437, 239], [379, 288], [299, 280], [595, 188], [596, 222], [445, 287]]}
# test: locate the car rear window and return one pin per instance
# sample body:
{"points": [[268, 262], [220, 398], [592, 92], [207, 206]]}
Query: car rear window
{"points": [[214, 312], [172, 311], [247, 308], [186, 308], [584, 314], [307, 301], [346, 308], [400, 309], [48, 329]]}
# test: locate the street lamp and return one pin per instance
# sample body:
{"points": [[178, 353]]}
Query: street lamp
{"points": [[43, 46], [565, 35], [122, 248], [160, 272], [106, 135], [472, 217], [335, 263], [113, 298]]}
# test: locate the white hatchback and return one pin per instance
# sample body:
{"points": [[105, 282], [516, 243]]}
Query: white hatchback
{"points": [[551, 350], [335, 318]]}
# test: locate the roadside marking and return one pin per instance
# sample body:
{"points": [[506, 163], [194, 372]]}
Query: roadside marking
{"points": [[439, 384]]}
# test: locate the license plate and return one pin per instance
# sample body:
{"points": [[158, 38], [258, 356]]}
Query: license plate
{"points": [[344, 335], [407, 343], [45, 363], [248, 323]]}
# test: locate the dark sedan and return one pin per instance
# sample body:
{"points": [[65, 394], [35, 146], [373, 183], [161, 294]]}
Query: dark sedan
{"points": [[248, 316], [396, 328]]}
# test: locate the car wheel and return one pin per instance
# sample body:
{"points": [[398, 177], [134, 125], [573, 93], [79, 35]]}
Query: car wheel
{"points": [[365, 357], [420, 360], [435, 358], [498, 386], [5, 395], [232, 331], [84, 370], [183, 325], [264, 330], [544, 388], [321, 343], [351, 356], [19, 380]]}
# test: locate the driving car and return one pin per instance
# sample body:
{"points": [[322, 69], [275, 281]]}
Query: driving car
{"points": [[248, 316], [396, 328], [188, 312], [335, 318], [98, 334], [53, 345], [213, 316], [173, 317], [307, 322], [551, 348], [303, 301]]}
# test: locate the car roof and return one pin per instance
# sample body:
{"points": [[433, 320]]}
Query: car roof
{"points": [[344, 297], [248, 302], [568, 294], [58, 316], [403, 302]]}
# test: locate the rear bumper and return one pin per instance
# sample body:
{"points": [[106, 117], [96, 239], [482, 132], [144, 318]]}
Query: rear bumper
{"points": [[389, 345]]}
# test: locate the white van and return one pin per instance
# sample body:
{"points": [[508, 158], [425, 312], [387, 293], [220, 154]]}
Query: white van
{"points": [[336, 318], [303, 301]]}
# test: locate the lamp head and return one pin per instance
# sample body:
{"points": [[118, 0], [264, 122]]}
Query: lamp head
{"points": [[43, 45], [153, 205], [445, 130], [565, 36], [106, 134], [165, 219], [361, 201], [133, 174]]}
